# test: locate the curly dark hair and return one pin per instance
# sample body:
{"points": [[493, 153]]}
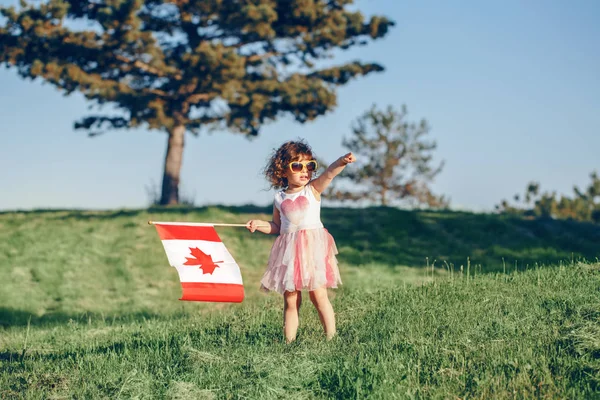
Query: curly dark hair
{"points": [[281, 157]]}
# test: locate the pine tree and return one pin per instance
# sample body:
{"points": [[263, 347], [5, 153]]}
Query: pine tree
{"points": [[394, 161], [181, 66]]}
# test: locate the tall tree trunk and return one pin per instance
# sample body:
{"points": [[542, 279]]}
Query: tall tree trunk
{"points": [[173, 159], [383, 198], [382, 192]]}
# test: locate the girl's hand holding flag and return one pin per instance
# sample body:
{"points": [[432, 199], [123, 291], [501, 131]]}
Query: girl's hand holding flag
{"points": [[268, 227]]}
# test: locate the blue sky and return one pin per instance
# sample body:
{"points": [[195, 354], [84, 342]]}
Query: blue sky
{"points": [[511, 90]]}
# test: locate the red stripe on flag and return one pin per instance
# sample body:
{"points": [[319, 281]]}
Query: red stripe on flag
{"points": [[187, 232], [214, 292]]}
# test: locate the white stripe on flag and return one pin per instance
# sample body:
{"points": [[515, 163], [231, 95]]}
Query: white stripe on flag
{"points": [[227, 270]]}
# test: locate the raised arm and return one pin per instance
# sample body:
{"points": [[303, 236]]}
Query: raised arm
{"points": [[268, 227], [321, 183]]}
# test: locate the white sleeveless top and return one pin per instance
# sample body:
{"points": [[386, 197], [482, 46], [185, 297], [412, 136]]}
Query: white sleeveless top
{"points": [[298, 211]]}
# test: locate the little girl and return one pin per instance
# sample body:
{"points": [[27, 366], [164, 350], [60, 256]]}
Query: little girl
{"points": [[303, 255]]}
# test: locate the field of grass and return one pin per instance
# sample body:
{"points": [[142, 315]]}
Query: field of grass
{"points": [[89, 309]]}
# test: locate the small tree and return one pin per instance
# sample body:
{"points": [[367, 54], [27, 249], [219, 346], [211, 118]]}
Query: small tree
{"points": [[583, 206], [394, 161], [179, 66]]}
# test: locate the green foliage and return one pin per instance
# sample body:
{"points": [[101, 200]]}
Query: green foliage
{"points": [[394, 161], [166, 64], [182, 66], [583, 206]]}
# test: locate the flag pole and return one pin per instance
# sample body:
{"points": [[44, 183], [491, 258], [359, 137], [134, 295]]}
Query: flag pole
{"points": [[197, 224]]}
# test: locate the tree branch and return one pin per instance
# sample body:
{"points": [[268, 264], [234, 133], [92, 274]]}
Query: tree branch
{"points": [[145, 67]]}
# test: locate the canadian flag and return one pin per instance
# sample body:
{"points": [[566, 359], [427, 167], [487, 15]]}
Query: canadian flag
{"points": [[207, 270]]}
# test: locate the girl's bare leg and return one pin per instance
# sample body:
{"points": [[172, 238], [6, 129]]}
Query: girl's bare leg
{"points": [[291, 308], [321, 301]]}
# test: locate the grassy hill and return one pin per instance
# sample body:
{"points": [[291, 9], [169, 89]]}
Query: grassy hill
{"points": [[58, 263], [88, 309]]}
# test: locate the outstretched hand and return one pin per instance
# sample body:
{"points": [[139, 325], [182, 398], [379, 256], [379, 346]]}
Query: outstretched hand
{"points": [[348, 158]]}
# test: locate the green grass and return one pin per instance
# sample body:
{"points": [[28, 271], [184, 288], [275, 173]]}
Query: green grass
{"points": [[89, 309]]}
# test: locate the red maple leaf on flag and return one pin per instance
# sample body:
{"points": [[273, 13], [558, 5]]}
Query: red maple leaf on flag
{"points": [[205, 261]]}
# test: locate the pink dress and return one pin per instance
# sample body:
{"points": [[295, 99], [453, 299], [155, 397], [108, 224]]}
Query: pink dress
{"points": [[303, 255]]}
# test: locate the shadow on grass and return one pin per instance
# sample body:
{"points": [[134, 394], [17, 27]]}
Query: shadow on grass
{"points": [[390, 236], [15, 358], [11, 317], [413, 238]]}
